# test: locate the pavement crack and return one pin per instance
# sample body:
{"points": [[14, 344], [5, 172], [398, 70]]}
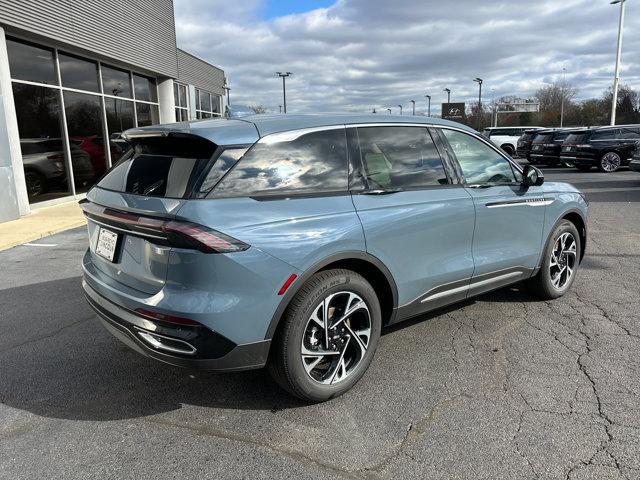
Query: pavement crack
{"points": [[48, 335], [236, 437]]}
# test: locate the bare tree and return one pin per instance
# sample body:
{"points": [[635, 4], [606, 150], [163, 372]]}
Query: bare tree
{"points": [[258, 109], [550, 96]]}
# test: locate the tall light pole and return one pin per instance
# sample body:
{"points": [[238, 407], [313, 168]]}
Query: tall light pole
{"points": [[448, 94], [280, 107], [284, 88], [616, 79], [374, 110], [428, 97], [564, 82], [389, 110], [227, 88], [400, 109], [478, 80], [413, 103]]}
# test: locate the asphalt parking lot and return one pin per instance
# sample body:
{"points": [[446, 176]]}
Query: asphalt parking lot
{"points": [[503, 386]]}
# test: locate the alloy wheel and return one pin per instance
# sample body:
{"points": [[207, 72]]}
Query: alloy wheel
{"points": [[563, 260], [336, 337], [610, 162]]}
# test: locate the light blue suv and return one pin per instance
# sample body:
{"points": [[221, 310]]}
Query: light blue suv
{"points": [[291, 241]]}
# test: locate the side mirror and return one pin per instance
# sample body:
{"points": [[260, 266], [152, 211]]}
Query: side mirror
{"points": [[532, 176]]}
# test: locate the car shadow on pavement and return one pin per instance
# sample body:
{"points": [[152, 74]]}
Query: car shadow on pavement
{"points": [[56, 360]]}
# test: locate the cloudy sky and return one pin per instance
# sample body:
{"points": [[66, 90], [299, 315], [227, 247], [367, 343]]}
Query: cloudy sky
{"points": [[354, 55]]}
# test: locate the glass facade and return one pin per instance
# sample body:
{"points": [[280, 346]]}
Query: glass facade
{"points": [[71, 113], [207, 104], [181, 100]]}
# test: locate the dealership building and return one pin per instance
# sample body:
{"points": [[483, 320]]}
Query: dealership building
{"points": [[73, 76]]}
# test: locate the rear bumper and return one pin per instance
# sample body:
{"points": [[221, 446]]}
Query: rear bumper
{"points": [[544, 158], [578, 160], [211, 350]]}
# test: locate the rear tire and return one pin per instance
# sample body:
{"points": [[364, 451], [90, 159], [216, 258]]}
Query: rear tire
{"points": [[561, 258], [610, 162], [317, 367]]}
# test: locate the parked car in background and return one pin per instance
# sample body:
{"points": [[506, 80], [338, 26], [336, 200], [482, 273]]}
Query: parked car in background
{"points": [[506, 137], [607, 148], [524, 143], [45, 167], [635, 161], [291, 240], [546, 146]]}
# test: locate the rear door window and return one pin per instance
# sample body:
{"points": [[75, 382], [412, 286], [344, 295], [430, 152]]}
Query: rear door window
{"points": [[576, 138], [400, 157], [605, 135], [297, 162]]}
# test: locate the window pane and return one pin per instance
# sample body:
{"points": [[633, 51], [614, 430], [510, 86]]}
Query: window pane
{"points": [[312, 162], [183, 96], [39, 126], [78, 73], [479, 162], [215, 103], [30, 63], [176, 96], [145, 88], [605, 135], [198, 99], [84, 124], [147, 114], [205, 101], [222, 165], [119, 119], [116, 82], [400, 157], [628, 134]]}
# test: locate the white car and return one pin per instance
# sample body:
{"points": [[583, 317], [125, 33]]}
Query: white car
{"points": [[506, 137]]}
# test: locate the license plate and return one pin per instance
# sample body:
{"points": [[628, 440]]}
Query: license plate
{"points": [[106, 245], [566, 149]]}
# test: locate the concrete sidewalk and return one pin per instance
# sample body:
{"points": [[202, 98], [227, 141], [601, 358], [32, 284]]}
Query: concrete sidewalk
{"points": [[41, 222]]}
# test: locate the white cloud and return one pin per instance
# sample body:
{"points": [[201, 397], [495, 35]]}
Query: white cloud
{"points": [[360, 54]]}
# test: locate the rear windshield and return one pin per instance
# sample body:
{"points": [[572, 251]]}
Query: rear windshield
{"points": [[528, 136], [542, 138], [576, 137], [161, 167]]}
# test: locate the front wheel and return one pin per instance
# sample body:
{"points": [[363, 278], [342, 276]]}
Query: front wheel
{"points": [[560, 263], [610, 162], [328, 336]]}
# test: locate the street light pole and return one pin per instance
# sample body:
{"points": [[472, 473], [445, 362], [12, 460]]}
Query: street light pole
{"points": [[389, 110], [400, 109], [448, 95], [564, 82], [616, 79], [228, 89], [280, 107], [413, 103], [478, 80], [428, 105], [284, 88]]}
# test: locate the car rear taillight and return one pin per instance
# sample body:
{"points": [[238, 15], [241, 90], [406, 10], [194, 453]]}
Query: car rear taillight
{"points": [[173, 233], [207, 240]]}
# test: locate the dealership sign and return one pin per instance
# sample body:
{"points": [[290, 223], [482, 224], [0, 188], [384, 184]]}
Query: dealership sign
{"points": [[453, 111]]}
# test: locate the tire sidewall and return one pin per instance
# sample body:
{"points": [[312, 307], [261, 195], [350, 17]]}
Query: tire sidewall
{"points": [[339, 281], [563, 227]]}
